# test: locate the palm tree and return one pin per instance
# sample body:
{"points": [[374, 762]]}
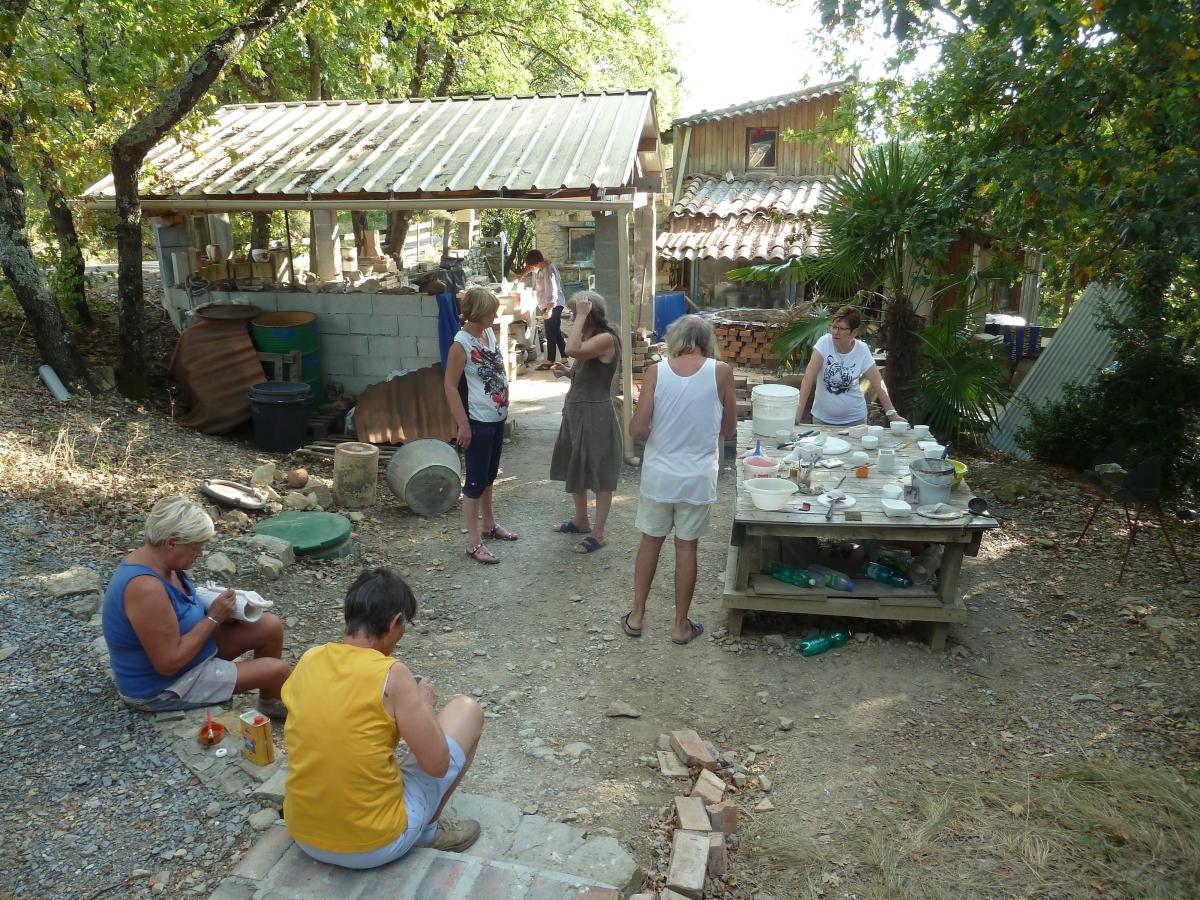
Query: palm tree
{"points": [[885, 232]]}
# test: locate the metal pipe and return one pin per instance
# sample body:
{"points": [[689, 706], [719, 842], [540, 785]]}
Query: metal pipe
{"points": [[184, 204], [57, 388]]}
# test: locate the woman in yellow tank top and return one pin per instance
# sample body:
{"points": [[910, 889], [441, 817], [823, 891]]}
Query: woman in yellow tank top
{"points": [[349, 801]]}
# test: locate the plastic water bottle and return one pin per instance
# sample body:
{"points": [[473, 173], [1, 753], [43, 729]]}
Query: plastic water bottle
{"points": [[819, 643], [880, 572], [831, 578], [791, 575]]}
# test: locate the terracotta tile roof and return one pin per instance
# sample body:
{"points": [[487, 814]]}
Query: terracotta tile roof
{"points": [[754, 107], [707, 195], [760, 238]]}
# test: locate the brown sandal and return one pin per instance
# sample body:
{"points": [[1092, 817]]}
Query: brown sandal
{"points": [[482, 554], [499, 533]]}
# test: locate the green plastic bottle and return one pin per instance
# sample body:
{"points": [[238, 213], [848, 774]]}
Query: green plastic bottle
{"points": [[886, 575], [819, 643], [791, 575]]}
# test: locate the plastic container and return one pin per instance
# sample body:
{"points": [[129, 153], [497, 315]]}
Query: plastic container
{"points": [[774, 408], [760, 467], [831, 578], [256, 738], [280, 409], [819, 643], [960, 471], [424, 475], [933, 479], [284, 332], [355, 474], [770, 493], [792, 575], [886, 575], [895, 509]]}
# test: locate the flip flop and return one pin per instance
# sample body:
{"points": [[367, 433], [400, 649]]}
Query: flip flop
{"points": [[569, 527], [628, 629], [589, 545], [697, 630], [476, 553], [543, 367], [500, 533]]}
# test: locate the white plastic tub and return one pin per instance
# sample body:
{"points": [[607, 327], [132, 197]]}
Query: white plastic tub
{"points": [[770, 493], [895, 509], [774, 408]]}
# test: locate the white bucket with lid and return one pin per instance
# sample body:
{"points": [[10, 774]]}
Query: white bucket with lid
{"points": [[933, 479], [774, 408]]}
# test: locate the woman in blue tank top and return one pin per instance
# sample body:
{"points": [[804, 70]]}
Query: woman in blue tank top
{"points": [[166, 650]]}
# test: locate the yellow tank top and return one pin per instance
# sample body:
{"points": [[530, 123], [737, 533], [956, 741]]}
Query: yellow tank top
{"points": [[344, 791]]}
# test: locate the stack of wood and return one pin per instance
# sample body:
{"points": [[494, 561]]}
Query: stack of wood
{"points": [[748, 344]]}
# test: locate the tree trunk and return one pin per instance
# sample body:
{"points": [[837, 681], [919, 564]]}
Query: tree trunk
{"points": [[515, 247], [358, 224], [317, 89], [25, 277], [260, 230], [71, 271], [420, 60], [902, 343], [130, 150], [449, 67], [397, 235]]}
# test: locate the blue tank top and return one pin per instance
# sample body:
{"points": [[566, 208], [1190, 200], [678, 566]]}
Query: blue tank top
{"points": [[135, 675]]}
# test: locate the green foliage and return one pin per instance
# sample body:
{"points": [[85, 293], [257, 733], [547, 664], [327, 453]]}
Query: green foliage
{"points": [[1149, 402], [962, 383], [795, 343]]}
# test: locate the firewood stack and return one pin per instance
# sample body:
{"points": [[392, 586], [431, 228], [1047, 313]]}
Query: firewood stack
{"points": [[747, 344]]}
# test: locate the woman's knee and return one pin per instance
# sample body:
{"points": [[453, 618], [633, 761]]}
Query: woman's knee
{"points": [[462, 717]]}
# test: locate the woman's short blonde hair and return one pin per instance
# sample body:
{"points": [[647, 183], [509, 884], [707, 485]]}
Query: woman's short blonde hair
{"points": [[688, 333], [477, 304], [180, 518]]}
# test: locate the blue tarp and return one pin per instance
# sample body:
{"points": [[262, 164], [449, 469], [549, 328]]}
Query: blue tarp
{"points": [[448, 323], [667, 308]]}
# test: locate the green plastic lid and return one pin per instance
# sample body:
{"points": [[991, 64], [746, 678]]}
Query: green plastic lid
{"points": [[309, 532]]}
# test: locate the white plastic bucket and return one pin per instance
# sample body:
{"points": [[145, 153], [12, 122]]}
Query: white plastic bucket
{"points": [[774, 407], [933, 479]]}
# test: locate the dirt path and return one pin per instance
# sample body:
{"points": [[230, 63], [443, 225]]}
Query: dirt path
{"points": [[1058, 667]]}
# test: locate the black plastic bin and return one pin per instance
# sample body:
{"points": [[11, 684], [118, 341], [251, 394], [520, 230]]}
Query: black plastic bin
{"points": [[280, 409]]}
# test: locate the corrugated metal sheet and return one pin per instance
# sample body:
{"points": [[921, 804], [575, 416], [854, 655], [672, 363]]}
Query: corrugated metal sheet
{"points": [[705, 195], [758, 239], [400, 149], [1079, 350], [759, 106]]}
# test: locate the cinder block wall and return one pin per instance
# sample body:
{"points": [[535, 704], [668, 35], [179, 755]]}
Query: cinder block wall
{"points": [[363, 336]]}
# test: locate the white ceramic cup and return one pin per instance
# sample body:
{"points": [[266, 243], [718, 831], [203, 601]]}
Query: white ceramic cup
{"points": [[784, 436], [921, 432], [859, 458], [935, 452], [899, 428], [887, 461], [891, 491], [875, 431], [870, 441]]}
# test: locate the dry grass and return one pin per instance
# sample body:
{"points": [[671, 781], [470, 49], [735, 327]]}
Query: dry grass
{"points": [[1101, 829]]}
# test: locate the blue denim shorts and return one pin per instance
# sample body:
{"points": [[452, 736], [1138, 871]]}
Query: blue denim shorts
{"points": [[482, 457], [423, 794]]}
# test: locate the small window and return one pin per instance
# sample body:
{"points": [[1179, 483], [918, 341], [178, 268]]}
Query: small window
{"points": [[761, 144], [581, 244]]}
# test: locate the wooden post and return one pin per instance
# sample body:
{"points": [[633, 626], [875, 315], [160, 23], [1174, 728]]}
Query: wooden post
{"points": [[644, 271], [626, 326]]}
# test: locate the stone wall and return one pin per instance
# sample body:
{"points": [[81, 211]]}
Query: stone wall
{"points": [[363, 336]]}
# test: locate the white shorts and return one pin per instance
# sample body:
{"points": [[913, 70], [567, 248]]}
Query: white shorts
{"points": [[207, 684], [690, 520]]}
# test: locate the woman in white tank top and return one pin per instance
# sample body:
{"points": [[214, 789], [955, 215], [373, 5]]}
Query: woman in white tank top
{"points": [[687, 404]]}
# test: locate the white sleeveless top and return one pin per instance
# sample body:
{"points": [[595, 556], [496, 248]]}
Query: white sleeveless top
{"points": [[681, 457]]}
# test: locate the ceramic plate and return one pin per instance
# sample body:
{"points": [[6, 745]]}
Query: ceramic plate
{"points": [[841, 504], [829, 463], [940, 511], [832, 446]]}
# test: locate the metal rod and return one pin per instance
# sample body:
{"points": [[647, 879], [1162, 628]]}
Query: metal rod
{"points": [[183, 204], [287, 228]]}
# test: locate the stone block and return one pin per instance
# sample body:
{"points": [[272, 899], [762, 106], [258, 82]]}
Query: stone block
{"points": [[691, 814], [689, 863], [403, 305], [234, 888], [718, 857], [670, 766], [267, 850], [271, 791], [540, 843], [390, 347], [346, 344], [724, 817], [429, 349], [691, 750], [334, 323], [338, 364], [375, 367], [429, 306], [269, 567], [425, 327], [603, 859], [709, 788], [668, 894], [498, 819], [365, 323]]}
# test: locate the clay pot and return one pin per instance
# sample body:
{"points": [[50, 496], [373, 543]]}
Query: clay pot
{"points": [[297, 478]]}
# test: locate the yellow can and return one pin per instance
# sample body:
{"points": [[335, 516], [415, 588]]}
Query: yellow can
{"points": [[256, 738]]}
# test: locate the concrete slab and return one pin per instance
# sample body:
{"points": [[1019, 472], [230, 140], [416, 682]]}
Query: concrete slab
{"points": [[498, 820], [545, 844]]}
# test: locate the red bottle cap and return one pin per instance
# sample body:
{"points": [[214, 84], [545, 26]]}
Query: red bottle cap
{"points": [[258, 720]]}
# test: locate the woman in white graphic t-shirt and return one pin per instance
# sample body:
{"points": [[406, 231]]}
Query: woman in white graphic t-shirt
{"points": [[838, 364]]}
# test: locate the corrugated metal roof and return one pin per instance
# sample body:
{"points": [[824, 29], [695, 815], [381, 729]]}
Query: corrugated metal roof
{"points": [[399, 149], [706, 195], [1078, 351], [760, 106], [760, 238]]}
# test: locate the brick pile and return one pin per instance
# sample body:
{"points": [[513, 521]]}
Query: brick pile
{"points": [[747, 344], [643, 349]]}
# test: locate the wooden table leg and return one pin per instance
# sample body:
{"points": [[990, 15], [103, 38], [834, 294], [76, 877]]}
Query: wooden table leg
{"points": [[952, 558], [938, 631], [745, 562], [734, 623]]}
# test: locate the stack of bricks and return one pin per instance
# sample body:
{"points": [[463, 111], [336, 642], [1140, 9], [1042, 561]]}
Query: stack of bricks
{"points": [[641, 346], [704, 820], [747, 344]]}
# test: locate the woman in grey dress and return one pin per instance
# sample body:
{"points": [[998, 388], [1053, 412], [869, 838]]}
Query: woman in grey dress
{"points": [[587, 454]]}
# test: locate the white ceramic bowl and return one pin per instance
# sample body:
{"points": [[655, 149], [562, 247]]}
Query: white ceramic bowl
{"points": [[891, 492], [898, 428], [770, 493], [876, 430], [870, 441], [920, 432], [784, 436], [859, 458], [260, 255], [934, 452], [760, 467], [895, 509]]}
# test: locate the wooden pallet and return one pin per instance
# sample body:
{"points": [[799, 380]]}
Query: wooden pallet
{"points": [[321, 424], [325, 448]]}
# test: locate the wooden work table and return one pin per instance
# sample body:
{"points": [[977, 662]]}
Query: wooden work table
{"points": [[760, 537]]}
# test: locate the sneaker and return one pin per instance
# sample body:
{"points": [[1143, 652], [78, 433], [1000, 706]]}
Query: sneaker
{"points": [[455, 837], [272, 709]]}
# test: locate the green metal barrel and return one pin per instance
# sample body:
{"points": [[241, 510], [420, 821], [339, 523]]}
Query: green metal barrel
{"points": [[284, 332]]}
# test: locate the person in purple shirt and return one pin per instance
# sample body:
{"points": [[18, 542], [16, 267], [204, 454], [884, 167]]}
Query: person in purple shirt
{"points": [[166, 650]]}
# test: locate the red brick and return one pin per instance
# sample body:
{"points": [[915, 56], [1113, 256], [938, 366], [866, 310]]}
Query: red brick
{"points": [[495, 883], [724, 817], [718, 859], [689, 863], [691, 750], [691, 815], [709, 788]]}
